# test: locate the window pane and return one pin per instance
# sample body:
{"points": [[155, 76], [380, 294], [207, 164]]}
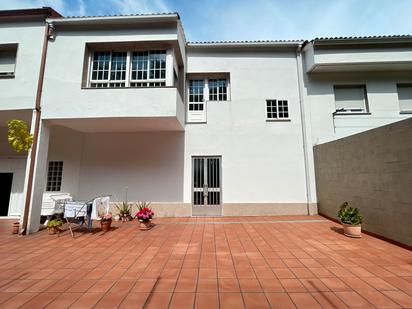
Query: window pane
{"points": [[405, 97], [196, 90], [350, 98], [118, 70], [100, 66], [217, 89]]}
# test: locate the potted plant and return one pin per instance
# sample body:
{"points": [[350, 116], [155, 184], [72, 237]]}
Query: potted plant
{"points": [[351, 220], [144, 216], [106, 222], [124, 211], [53, 226], [16, 227]]}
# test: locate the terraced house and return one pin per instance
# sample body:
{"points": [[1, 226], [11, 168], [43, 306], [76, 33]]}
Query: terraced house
{"points": [[197, 128]]}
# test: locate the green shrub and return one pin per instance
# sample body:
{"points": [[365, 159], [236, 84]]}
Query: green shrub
{"points": [[349, 215], [54, 223]]}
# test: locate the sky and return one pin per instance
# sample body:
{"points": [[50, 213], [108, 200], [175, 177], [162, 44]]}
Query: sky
{"points": [[219, 20]]}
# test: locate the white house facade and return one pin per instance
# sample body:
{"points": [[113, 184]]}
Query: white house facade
{"points": [[197, 129]]}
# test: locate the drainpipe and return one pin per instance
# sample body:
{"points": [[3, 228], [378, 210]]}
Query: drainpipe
{"points": [[29, 192], [303, 126]]}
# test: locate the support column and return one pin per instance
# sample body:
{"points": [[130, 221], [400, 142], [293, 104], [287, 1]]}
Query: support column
{"points": [[39, 178], [169, 67]]}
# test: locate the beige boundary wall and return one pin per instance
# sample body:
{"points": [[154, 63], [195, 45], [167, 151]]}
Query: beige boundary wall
{"points": [[230, 209], [372, 171]]}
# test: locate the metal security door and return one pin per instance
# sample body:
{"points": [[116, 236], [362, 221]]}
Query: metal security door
{"points": [[207, 191]]}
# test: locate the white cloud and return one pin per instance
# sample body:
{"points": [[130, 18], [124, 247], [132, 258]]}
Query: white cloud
{"points": [[139, 6]]}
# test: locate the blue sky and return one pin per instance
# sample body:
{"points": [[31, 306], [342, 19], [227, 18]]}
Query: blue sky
{"points": [[254, 19]]}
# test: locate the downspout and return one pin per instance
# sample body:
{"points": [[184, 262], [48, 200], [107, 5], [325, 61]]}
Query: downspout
{"points": [[303, 125], [33, 153]]}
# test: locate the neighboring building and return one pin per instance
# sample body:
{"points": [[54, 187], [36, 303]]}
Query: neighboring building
{"points": [[209, 128]]}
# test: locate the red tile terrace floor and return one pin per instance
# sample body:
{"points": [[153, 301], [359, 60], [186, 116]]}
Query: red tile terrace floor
{"points": [[270, 262]]}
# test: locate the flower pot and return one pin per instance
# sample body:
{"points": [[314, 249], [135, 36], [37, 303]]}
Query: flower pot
{"points": [[145, 225], [51, 230], [16, 227], [105, 224], [352, 230]]}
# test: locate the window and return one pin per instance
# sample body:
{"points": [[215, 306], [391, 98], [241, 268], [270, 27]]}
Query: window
{"points": [[148, 68], [111, 69], [196, 95], [405, 98], [217, 89], [7, 59], [350, 99], [54, 176], [277, 109]]}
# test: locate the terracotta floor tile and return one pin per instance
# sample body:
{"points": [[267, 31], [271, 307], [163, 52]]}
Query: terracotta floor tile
{"points": [[283, 273], [292, 285], [207, 286], [4, 296], [61, 286], [134, 301], [276, 263], [231, 300], [186, 285], [353, 299], [207, 301], [271, 285], [182, 301], [280, 301], [304, 300], [144, 285], [228, 285], [19, 285], [40, 285], [292, 263], [111, 300], [102, 286], [314, 285], [321, 272], [264, 272], [158, 301], [245, 272], [249, 285], [302, 272], [123, 286], [255, 300], [400, 297], [41, 300], [226, 272], [64, 300], [87, 300], [377, 299], [81, 286], [18, 300], [165, 285], [379, 284], [207, 273], [329, 300], [335, 284]]}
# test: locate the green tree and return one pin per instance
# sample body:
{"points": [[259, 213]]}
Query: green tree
{"points": [[18, 135]]}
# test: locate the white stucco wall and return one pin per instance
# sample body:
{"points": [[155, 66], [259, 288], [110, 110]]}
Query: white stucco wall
{"points": [[20, 92], [63, 96], [262, 162], [382, 98], [17, 166]]}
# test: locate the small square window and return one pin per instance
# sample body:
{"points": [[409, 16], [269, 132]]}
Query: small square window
{"points": [[54, 176], [277, 109]]}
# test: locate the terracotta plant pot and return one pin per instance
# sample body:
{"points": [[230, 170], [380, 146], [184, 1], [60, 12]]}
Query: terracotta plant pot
{"points": [[145, 225], [352, 230], [16, 227], [51, 230], [105, 224]]}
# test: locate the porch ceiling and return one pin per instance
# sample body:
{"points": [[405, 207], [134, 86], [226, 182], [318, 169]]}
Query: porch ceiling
{"points": [[123, 124], [23, 114]]}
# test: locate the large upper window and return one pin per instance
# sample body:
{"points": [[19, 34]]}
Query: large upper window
{"points": [[7, 59], [350, 99], [128, 69], [405, 98]]}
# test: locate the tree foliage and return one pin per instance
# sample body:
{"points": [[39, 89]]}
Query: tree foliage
{"points": [[18, 135]]}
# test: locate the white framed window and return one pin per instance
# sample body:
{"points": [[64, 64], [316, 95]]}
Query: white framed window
{"points": [[350, 99], [8, 53], [54, 176], [405, 97], [114, 69], [217, 89], [277, 109], [148, 68], [196, 95]]}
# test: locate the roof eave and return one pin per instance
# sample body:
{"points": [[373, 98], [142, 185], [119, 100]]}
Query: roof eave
{"points": [[246, 44], [109, 20]]}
